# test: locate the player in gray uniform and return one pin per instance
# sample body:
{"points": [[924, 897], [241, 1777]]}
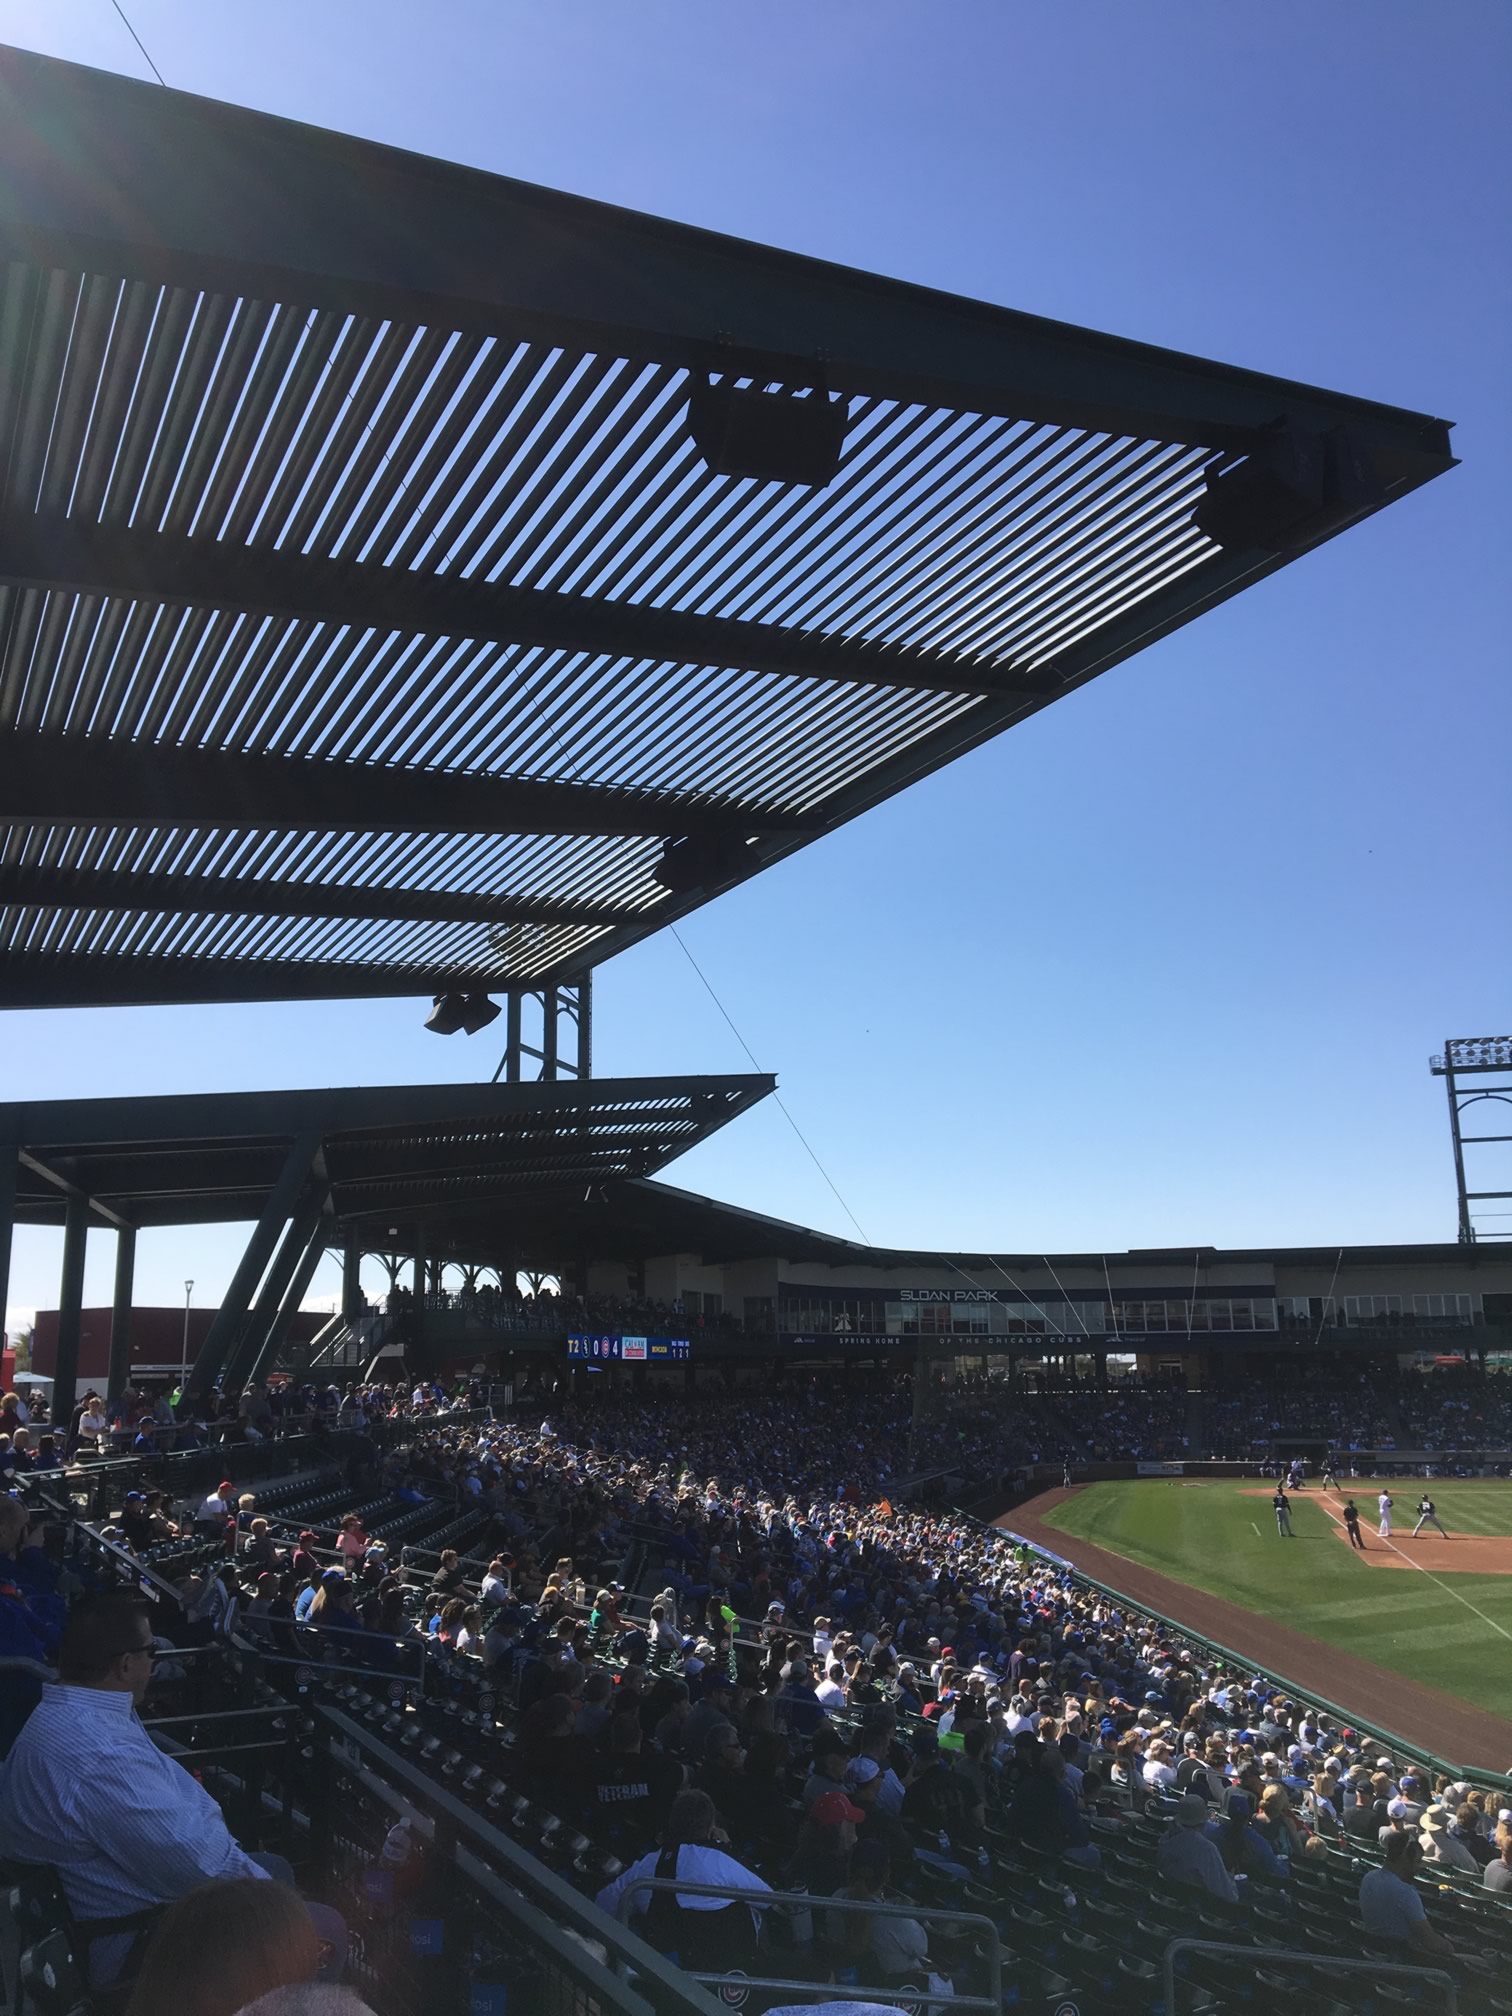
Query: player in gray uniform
{"points": [[1427, 1516]]}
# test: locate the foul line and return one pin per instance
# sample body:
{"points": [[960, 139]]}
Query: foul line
{"points": [[1254, 1529], [1428, 1572]]}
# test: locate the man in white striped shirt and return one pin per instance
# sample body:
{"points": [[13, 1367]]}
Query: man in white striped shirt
{"points": [[87, 1791]]}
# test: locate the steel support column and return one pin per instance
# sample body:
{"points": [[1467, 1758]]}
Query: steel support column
{"points": [[294, 1294], [7, 1221], [264, 1317], [564, 1046], [120, 1315], [70, 1307], [351, 1276], [232, 1314], [422, 1270]]}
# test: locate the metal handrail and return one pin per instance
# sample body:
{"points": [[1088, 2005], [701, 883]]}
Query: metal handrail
{"points": [[1323, 1962], [530, 1892], [803, 1900]]}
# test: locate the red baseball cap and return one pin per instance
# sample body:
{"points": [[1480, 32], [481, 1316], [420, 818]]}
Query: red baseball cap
{"points": [[830, 1808]]}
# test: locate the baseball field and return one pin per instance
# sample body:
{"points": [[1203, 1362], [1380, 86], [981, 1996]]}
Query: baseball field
{"points": [[1403, 1634]]}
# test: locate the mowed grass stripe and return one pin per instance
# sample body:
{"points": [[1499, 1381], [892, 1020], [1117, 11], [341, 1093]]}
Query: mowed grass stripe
{"points": [[1205, 1536]]}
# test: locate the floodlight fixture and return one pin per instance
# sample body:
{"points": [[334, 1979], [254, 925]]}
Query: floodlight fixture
{"points": [[468, 1013]]}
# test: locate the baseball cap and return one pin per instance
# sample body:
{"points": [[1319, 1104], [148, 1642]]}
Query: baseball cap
{"points": [[135, 1498], [1191, 1810], [925, 1742], [831, 1808], [862, 1770], [225, 1485]]}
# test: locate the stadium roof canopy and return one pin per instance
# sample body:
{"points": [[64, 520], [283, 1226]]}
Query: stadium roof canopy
{"points": [[371, 621], [424, 1151]]}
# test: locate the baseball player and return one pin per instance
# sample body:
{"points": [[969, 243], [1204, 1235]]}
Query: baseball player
{"points": [[1352, 1524], [1281, 1506], [1384, 1501], [1330, 1482], [1427, 1516]]}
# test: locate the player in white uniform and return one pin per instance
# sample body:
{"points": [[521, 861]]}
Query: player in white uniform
{"points": [[1384, 1502]]}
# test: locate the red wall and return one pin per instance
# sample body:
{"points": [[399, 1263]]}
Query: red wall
{"points": [[157, 1338]]}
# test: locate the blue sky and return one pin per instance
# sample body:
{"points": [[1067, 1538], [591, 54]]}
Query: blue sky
{"points": [[1165, 964]]}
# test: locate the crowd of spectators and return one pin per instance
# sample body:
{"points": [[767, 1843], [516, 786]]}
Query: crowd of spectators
{"points": [[1449, 1409], [919, 1684], [156, 1420], [1360, 1410], [1349, 1410]]}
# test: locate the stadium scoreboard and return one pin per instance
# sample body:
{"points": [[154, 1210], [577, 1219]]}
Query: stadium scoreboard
{"points": [[615, 1349]]}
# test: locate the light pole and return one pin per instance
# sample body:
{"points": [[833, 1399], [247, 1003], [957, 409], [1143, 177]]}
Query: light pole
{"points": [[184, 1366]]}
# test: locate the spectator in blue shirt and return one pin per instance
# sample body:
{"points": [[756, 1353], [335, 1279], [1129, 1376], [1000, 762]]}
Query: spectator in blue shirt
{"points": [[1244, 1850]]}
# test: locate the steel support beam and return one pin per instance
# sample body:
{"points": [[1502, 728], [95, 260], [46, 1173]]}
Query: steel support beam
{"points": [[7, 1222], [232, 1314], [146, 565], [92, 178], [67, 780], [351, 1275], [70, 1308], [299, 1282], [1466, 1228], [244, 896], [422, 1275], [565, 1010], [285, 1264], [106, 981], [63, 1181], [120, 1315]]}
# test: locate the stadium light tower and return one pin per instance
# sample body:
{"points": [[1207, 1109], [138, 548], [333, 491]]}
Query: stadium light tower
{"points": [[1483, 1214]]}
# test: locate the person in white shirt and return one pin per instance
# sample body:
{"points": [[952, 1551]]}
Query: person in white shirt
{"points": [[1440, 1846], [215, 1511], [88, 1793], [830, 1693], [694, 1852], [1384, 1502], [496, 1586], [1159, 1771], [1021, 1715], [94, 1427]]}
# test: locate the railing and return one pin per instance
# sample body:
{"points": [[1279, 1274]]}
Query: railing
{"points": [[512, 1898], [1388, 1739], [1318, 1962], [802, 1902], [181, 1470]]}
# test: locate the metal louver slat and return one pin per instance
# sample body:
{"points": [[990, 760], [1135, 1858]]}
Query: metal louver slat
{"points": [[332, 568]]}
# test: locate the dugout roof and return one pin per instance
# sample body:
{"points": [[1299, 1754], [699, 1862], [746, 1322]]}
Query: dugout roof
{"points": [[371, 622]]}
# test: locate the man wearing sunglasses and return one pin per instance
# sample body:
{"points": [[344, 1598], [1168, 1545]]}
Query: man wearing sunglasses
{"points": [[88, 1792]]}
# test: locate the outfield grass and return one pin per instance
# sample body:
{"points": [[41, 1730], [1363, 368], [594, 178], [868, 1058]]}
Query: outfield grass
{"points": [[1211, 1536]]}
